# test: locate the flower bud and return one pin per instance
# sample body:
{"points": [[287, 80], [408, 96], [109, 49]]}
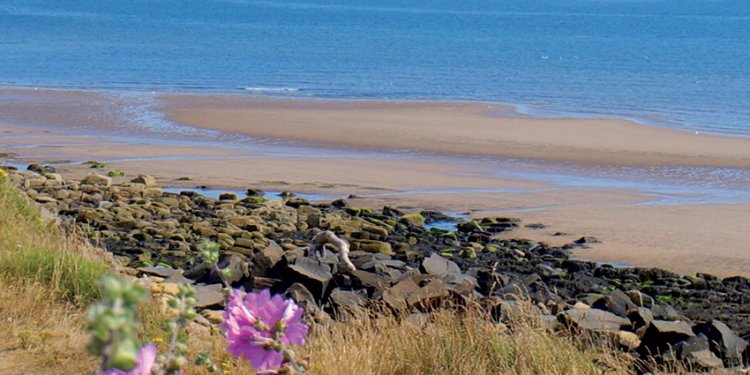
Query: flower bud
{"points": [[124, 356]]}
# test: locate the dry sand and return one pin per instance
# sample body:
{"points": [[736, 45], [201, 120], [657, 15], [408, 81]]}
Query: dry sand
{"points": [[683, 238]]}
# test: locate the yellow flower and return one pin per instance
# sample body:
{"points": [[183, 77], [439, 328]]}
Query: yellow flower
{"points": [[3, 173], [158, 340]]}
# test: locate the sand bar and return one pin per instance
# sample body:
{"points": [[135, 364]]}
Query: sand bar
{"points": [[458, 128]]}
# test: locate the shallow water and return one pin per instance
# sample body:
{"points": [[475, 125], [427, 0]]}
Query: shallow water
{"points": [[669, 62]]}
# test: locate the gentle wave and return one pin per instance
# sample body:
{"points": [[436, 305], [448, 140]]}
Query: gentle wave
{"points": [[271, 89]]}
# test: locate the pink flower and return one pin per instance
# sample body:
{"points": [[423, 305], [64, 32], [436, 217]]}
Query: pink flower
{"points": [[258, 326], [144, 362]]}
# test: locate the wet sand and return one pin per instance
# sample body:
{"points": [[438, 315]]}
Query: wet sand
{"points": [[458, 128], [441, 164]]}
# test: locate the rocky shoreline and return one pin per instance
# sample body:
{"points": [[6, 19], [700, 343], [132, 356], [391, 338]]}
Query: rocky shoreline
{"points": [[402, 260]]}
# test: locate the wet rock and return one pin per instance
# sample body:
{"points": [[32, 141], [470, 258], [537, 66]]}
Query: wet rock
{"points": [[416, 220], [469, 226]]}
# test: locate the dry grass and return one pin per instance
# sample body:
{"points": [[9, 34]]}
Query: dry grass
{"points": [[39, 334], [450, 342]]}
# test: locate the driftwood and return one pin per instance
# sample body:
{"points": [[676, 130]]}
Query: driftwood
{"points": [[328, 237]]}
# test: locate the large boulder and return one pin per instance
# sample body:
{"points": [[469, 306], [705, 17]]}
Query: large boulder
{"points": [[416, 220], [267, 261], [695, 352], [439, 266], [593, 320], [723, 342], [96, 180], [661, 335], [314, 275], [144, 179], [616, 302]]}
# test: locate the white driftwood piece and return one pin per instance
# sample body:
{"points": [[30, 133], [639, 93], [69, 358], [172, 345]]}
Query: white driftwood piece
{"points": [[322, 238]]}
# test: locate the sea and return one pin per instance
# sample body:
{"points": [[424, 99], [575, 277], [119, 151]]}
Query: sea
{"points": [[681, 64]]}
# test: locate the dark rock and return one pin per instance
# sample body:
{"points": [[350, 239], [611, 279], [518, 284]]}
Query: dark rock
{"points": [[266, 262], [347, 298], [723, 342], [254, 193], [159, 271], [228, 197], [237, 267], [297, 202], [372, 281], [661, 335], [586, 240], [145, 180], [314, 275], [469, 226], [396, 295], [640, 317], [535, 226], [695, 352], [616, 302]]}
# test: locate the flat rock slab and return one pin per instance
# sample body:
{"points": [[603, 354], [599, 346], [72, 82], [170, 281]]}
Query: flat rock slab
{"points": [[159, 271], [209, 295], [439, 266], [594, 320]]}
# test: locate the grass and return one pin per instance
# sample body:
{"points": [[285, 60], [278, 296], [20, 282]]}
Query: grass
{"points": [[450, 342], [48, 278], [34, 250]]}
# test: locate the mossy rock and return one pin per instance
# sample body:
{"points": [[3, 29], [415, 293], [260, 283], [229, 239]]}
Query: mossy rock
{"points": [[372, 246], [358, 211], [469, 253], [416, 220], [469, 226], [297, 202]]}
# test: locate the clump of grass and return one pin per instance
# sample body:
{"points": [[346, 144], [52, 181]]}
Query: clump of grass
{"points": [[97, 165], [34, 251], [115, 173], [450, 342]]}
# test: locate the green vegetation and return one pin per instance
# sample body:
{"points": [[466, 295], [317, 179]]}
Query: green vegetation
{"points": [[115, 173], [32, 250]]}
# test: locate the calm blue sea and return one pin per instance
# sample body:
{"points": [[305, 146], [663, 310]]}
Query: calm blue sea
{"points": [[679, 63]]}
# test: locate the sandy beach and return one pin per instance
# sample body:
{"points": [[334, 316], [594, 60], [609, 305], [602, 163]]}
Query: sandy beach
{"points": [[445, 156]]}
